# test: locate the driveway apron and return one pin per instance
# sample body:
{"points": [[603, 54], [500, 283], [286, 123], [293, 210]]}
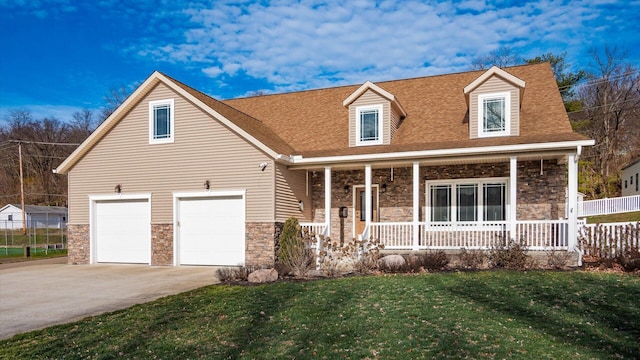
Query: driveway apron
{"points": [[37, 296]]}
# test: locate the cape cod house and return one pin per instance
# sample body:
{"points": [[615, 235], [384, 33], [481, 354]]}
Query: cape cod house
{"points": [[175, 177]]}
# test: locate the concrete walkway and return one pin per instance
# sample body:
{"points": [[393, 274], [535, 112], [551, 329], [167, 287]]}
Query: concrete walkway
{"points": [[43, 293]]}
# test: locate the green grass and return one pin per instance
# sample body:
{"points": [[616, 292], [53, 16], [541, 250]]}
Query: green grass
{"points": [[495, 314], [38, 253], [622, 217]]}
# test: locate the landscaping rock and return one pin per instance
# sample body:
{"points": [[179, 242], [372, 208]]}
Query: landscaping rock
{"points": [[392, 261], [263, 276]]}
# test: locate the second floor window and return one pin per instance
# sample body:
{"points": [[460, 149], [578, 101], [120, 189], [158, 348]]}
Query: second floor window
{"points": [[494, 114], [161, 121], [369, 125]]}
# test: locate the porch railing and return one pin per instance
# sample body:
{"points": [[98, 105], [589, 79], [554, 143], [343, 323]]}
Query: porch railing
{"points": [[543, 234], [536, 234], [609, 206], [471, 235]]}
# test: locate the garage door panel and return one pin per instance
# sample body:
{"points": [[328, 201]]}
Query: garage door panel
{"points": [[211, 231], [122, 231]]}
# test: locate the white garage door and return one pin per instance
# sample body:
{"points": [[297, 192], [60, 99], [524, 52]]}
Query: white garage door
{"points": [[122, 231], [211, 230]]}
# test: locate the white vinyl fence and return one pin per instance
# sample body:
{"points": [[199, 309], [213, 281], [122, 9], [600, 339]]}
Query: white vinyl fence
{"points": [[609, 206], [609, 240]]}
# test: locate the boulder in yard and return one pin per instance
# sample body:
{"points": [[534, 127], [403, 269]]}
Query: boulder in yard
{"points": [[263, 276], [392, 261]]}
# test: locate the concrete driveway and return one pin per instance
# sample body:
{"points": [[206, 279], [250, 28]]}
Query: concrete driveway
{"points": [[42, 294]]}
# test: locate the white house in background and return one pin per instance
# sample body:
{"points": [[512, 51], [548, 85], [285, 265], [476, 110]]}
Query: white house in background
{"points": [[52, 217], [630, 179]]}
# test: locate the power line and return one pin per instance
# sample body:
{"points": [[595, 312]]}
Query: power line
{"points": [[43, 143], [600, 106], [586, 83]]}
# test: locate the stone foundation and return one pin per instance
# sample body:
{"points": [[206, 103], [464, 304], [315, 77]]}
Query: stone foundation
{"points": [[260, 243], [162, 244], [78, 244]]}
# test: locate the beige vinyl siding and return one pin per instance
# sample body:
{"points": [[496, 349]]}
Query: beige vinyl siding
{"points": [[370, 98], [291, 186], [394, 123], [493, 85], [203, 149]]}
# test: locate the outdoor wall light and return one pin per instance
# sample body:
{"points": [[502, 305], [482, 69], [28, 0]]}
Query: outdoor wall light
{"points": [[301, 205], [118, 189], [346, 189], [263, 166], [207, 185], [384, 187]]}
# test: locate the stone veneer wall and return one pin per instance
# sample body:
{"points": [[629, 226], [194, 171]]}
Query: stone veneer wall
{"points": [[78, 244], [539, 196], [261, 243], [162, 244]]}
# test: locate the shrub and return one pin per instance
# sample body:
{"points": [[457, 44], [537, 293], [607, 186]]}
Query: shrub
{"points": [[434, 260], [630, 261], [295, 254], [235, 274], [512, 255], [355, 255], [472, 259]]}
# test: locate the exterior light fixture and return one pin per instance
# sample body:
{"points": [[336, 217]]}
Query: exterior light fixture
{"points": [[301, 205], [346, 189], [207, 185], [263, 165], [384, 187], [118, 189]]}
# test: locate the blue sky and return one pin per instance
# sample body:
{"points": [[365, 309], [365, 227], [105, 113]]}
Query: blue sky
{"points": [[59, 56]]}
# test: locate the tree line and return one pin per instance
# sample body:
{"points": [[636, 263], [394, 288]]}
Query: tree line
{"points": [[602, 102]]}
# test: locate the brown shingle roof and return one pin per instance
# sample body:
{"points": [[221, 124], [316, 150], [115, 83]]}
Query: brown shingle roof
{"points": [[251, 125], [315, 123]]}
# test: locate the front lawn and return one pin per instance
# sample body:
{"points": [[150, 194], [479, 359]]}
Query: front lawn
{"points": [[493, 314]]}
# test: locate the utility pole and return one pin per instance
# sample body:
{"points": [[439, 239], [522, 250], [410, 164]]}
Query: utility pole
{"points": [[24, 218]]}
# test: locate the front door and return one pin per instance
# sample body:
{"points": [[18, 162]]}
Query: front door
{"points": [[359, 205]]}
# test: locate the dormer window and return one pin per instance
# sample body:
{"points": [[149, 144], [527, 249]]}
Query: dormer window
{"points": [[369, 125], [494, 117]]}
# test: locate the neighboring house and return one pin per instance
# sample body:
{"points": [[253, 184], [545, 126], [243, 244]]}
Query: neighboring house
{"points": [[52, 217], [174, 176], [630, 179]]}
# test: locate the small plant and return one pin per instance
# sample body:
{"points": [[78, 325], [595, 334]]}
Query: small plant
{"points": [[472, 259], [630, 261], [557, 259], [512, 255]]}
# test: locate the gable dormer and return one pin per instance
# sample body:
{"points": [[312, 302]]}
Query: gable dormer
{"points": [[374, 115], [494, 100]]}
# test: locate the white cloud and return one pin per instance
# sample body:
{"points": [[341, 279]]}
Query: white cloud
{"points": [[295, 45]]}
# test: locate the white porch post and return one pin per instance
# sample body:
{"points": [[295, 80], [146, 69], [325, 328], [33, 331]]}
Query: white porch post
{"points": [[513, 196], [572, 202], [327, 199], [416, 205], [367, 196]]}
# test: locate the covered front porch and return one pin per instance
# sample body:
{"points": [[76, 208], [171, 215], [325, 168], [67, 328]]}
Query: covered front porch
{"points": [[458, 203]]}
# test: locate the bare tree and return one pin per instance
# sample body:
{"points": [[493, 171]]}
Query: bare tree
{"points": [[611, 116], [113, 99], [501, 57]]}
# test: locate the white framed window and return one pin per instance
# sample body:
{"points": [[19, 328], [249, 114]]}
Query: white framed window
{"points": [[467, 200], [369, 125], [494, 114], [161, 121]]}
